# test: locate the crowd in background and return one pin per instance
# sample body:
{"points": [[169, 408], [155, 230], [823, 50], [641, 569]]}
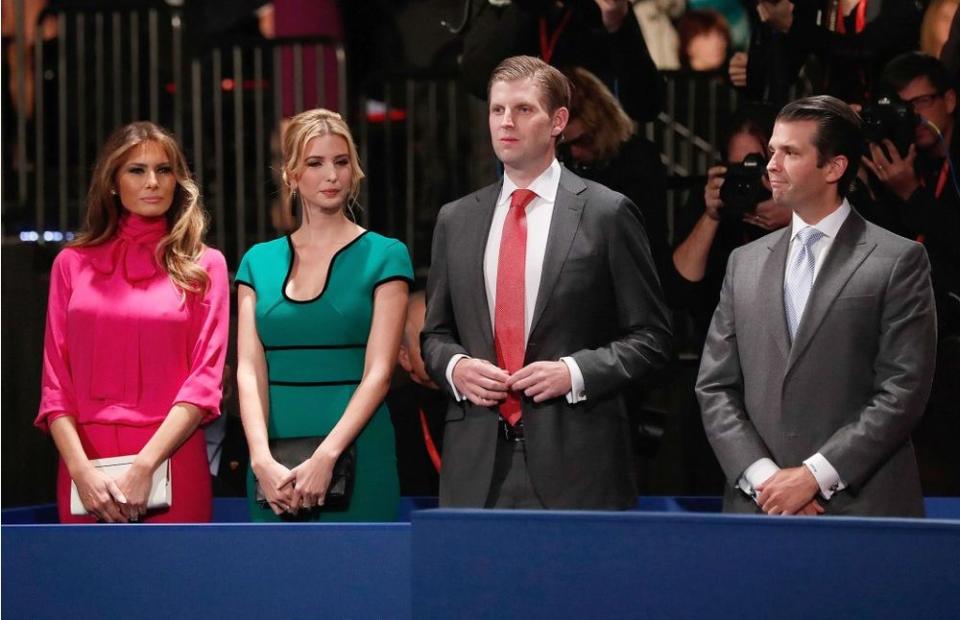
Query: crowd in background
{"points": [[896, 61]]}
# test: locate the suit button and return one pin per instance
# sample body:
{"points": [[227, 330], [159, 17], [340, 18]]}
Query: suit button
{"points": [[582, 395]]}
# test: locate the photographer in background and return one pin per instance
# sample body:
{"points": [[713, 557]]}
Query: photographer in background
{"points": [[711, 225], [922, 187], [714, 223]]}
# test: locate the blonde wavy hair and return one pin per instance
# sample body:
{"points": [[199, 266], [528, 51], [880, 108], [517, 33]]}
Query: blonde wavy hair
{"points": [[179, 251], [312, 124]]}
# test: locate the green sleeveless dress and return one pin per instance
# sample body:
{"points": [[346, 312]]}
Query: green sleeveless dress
{"points": [[315, 355]]}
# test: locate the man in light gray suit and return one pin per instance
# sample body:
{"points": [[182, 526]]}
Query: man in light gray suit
{"points": [[543, 306], [820, 356]]}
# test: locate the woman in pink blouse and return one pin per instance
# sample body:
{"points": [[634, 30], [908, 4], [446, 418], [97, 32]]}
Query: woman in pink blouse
{"points": [[136, 336]]}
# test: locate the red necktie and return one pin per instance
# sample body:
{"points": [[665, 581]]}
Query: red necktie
{"points": [[509, 315]]}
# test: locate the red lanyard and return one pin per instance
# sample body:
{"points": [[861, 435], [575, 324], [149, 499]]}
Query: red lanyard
{"points": [[860, 21], [942, 180], [428, 441], [548, 43]]}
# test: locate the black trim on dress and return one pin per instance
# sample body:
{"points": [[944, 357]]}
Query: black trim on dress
{"points": [[288, 347], [326, 281], [313, 383]]}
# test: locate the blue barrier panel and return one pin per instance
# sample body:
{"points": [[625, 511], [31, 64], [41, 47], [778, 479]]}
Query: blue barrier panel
{"points": [[206, 571], [495, 564], [234, 509]]}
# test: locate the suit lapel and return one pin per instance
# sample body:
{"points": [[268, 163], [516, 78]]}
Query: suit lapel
{"points": [[474, 245], [771, 291], [847, 253], [567, 210]]}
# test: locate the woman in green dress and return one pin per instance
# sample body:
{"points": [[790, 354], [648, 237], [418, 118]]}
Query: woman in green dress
{"points": [[321, 314]]}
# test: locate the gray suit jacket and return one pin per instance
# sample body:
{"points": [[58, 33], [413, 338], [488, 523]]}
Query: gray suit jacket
{"points": [[853, 384], [599, 301]]}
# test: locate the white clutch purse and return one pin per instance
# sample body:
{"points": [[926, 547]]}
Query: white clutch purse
{"points": [[161, 492]]}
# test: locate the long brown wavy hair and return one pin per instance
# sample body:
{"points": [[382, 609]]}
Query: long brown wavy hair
{"points": [[179, 251]]}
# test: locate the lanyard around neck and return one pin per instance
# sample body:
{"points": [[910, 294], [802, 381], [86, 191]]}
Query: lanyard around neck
{"points": [[860, 21], [548, 43]]}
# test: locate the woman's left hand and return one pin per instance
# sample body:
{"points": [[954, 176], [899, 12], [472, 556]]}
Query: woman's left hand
{"points": [[311, 480], [135, 484]]}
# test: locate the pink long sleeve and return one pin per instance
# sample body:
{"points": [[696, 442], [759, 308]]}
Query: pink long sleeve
{"points": [[203, 386], [58, 396]]}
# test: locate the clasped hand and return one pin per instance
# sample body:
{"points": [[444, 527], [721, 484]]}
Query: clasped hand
{"points": [[101, 496], [272, 476], [790, 491], [309, 481], [485, 385], [135, 486]]}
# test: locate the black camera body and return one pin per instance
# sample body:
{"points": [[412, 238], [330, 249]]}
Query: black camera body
{"points": [[743, 187], [890, 118]]}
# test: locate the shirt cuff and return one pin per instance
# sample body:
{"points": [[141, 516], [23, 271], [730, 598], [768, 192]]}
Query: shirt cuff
{"points": [[449, 374], [755, 475], [827, 477], [577, 391]]}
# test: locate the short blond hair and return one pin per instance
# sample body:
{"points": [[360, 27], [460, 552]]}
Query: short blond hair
{"points": [[554, 86], [312, 124]]}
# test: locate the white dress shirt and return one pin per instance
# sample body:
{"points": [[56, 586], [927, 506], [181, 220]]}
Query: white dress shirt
{"points": [[827, 477], [539, 215]]}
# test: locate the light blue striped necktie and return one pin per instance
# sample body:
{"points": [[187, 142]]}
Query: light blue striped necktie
{"points": [[796, 287]]}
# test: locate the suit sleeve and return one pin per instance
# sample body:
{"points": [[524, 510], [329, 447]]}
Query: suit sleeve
{"points": [[645, 344], [720, 387], [439, 340], [903, 369]]}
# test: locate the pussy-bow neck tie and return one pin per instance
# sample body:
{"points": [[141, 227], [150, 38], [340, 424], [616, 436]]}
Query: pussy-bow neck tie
{"points": [[134, 247]]}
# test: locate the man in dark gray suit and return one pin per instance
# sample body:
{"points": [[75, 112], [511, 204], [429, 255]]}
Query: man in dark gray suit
{"points": [[820, 356], [543, 306]]}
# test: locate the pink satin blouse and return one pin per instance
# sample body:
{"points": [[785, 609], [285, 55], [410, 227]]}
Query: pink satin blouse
{"points": [[121, 346]]}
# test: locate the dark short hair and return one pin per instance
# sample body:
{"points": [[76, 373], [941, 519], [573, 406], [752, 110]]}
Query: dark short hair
{"points": [[554, 86], [696, 22], [839, 132], [905, 68], [755, 119]]}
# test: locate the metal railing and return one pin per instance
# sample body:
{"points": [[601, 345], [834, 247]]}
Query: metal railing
{"points": [[422, 141], [108, 67]]}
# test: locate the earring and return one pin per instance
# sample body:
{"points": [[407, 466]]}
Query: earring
{"points": [[113, 192], [293, 194]]}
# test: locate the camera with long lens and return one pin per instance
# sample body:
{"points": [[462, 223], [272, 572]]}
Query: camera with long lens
{"points": [[743, 187], [889, 118]]}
